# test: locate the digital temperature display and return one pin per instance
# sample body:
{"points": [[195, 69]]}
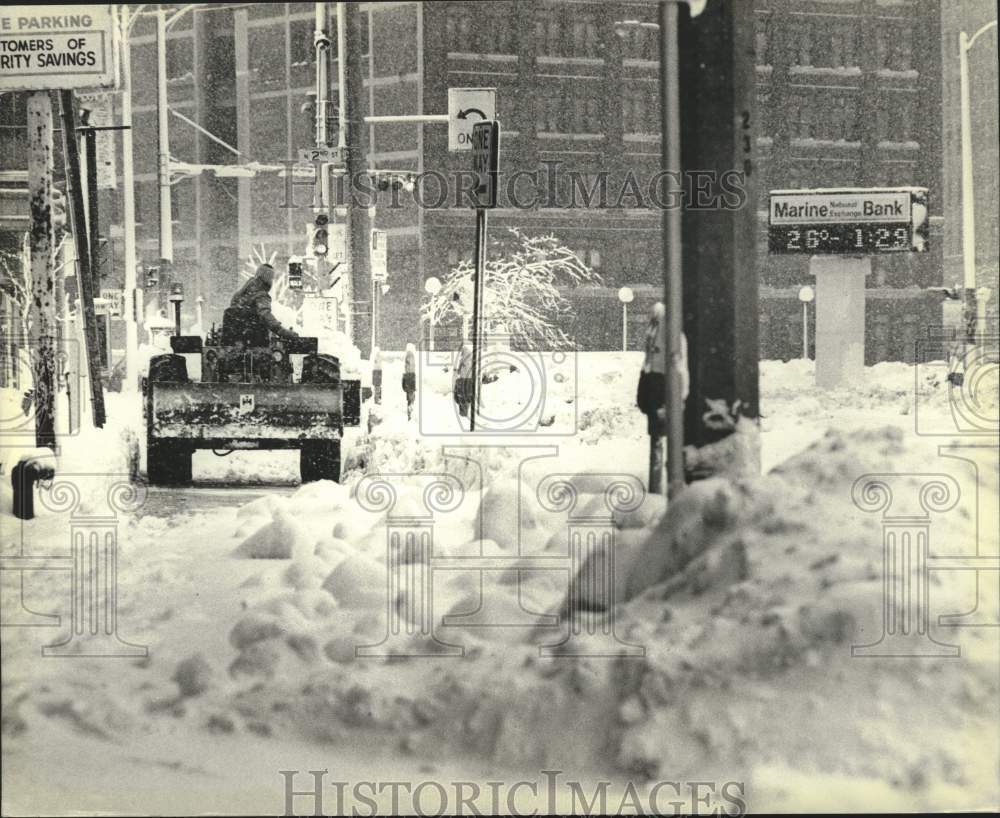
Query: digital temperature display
{"points": [[834, 239], [848, 221]]}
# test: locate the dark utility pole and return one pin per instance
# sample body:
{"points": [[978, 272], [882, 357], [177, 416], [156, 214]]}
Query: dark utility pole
{"points": [[84, 272], [42, 341], [718, 125]]}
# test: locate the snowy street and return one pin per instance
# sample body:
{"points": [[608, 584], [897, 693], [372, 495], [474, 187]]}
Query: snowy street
{"points": [[534, 407], [251, 664]]}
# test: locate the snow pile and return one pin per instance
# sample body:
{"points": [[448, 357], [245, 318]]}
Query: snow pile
{"points": [[280, 625], [751, 602], [744, 598]]}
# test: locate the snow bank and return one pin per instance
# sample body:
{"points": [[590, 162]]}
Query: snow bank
{"points": [[745, 600], [737, 610]]}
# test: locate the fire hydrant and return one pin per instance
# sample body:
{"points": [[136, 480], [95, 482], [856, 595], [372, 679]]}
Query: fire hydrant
{"points": [[30, 468]]}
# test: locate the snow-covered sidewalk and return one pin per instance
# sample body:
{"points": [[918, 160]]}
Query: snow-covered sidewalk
{"points": [[444, 614]]}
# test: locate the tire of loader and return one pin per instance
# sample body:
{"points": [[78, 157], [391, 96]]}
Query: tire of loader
{"points": [[168, 368], [320, 368], [168, 462], [320, 460]]}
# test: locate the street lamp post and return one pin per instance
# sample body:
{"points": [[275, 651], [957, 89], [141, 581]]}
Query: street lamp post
{"points": [[432, 286], [626, 296], [163, 138], [670, 159], [965, 43], [806, 295], [130, 287]]}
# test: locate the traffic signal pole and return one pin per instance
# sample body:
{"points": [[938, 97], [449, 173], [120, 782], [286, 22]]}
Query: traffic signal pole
{"points": [[93, 217], [130, 308], [321, 195], [358, 234]]}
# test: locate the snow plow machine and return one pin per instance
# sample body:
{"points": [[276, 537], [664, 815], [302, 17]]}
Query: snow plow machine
{"points": [[247, 398]]}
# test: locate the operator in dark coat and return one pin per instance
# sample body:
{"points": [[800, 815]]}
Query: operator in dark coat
{"points": [[253, 303]]}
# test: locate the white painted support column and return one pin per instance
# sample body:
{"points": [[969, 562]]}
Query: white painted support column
{"points": [[840, 319]]}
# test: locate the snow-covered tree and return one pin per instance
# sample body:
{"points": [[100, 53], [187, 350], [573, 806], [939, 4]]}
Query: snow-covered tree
{"points": [[522, 293]]}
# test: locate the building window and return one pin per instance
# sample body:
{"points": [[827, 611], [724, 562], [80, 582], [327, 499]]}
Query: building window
{"points": [[640, 43], [839, 118], [550, 110], [894, 45], [453, 257], [762, 36], [894, 121], [842, 42], [595, 259], [805, 118], [640, 110], [266, 48], [301, 50], [180, 58], [549, 33], [586, 113], [501, 35], [459, 30], [803, 40], [584, 36]]}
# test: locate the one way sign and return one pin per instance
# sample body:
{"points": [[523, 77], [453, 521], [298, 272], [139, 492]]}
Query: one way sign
{"points": [[466, 107]]}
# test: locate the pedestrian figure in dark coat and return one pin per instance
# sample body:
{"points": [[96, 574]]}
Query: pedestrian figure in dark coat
{"points": [[410, 378], [462, 384]]}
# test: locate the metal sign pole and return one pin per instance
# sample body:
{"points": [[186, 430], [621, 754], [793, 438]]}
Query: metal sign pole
{"points": [[672, 233], [93, 219], [805, 331], [477, 290]]}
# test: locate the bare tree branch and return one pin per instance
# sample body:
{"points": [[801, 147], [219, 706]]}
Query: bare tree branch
{"points": [[522, 292]]}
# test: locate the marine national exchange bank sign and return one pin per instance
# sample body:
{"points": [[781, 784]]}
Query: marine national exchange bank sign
{"points": [[50, 47], [848, 221]]}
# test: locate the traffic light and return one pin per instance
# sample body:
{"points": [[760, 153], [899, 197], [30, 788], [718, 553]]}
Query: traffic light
{"points": [[294, 273], [57, 210], [320, 235]]}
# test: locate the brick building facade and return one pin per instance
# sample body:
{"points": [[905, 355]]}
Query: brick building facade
{"points": [[849, 93]]}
